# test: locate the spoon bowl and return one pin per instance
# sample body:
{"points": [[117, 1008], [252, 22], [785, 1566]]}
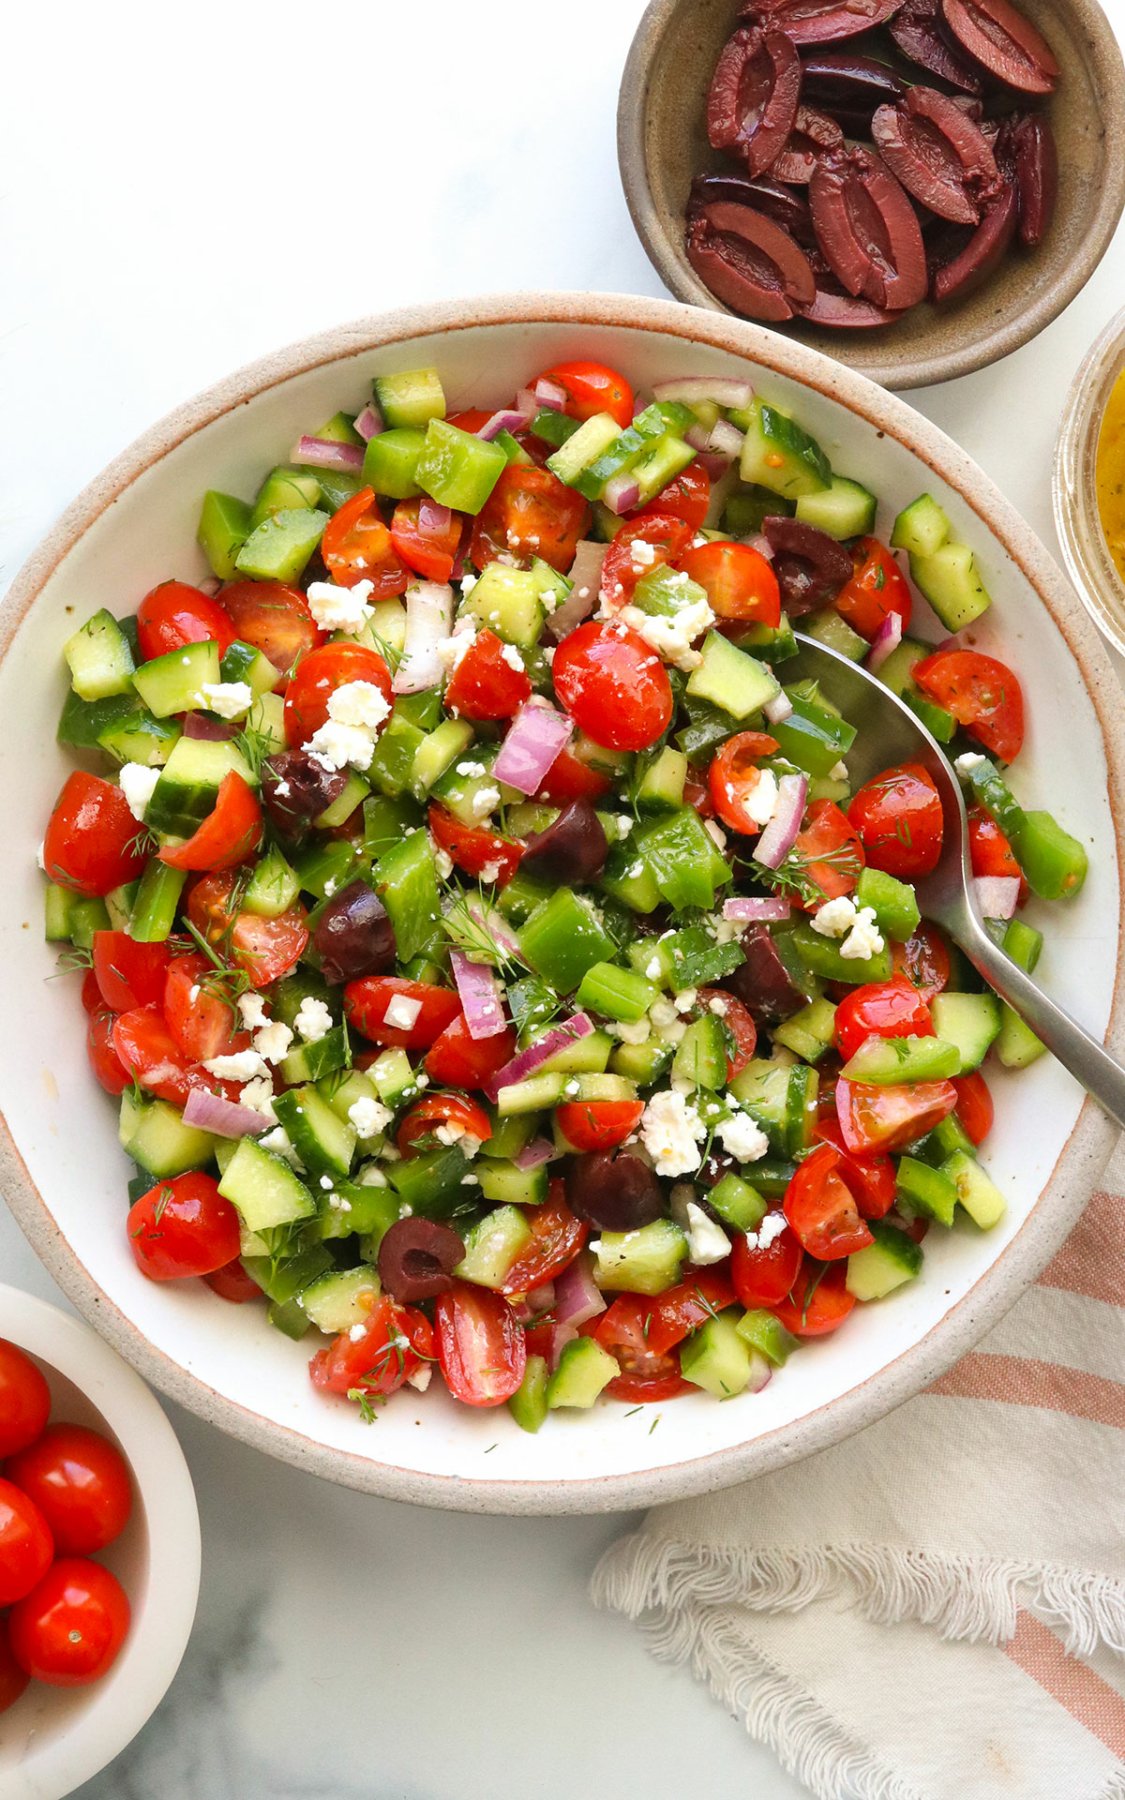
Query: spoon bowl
{"points": [[888, 733]]}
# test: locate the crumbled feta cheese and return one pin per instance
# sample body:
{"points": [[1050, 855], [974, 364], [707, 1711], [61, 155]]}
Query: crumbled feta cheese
{"points": [[643, 554], [452, 649], [719, 1006], [229, 699], [654, 968], [468, 583], [369, 1117], [340, 608], [369, 1174], [194, 992], [622, 824], [252, 1011], [742, 1138], [638, 1032], [864, 940], [330, 887], [672, 637], [272, 1041], [490, 873], [724, 931], [970, 760], [466, 1141], [770, 1228], [835, 918], [279, 1141], [470, 769], [335, 746], [635, 870], [572, 1090], [672, 1132], [485, 801], [137, 784], [402, 1012], [421, 1081], [420, 1378], [326, 1183], [706, 1239], [838, 772], [358, 703], [684, 1002], [313, 1019], [761, 801], [258, 1096], [443, 863], [662, 1013], [512, 657], [715, 831], [242, 1066], [282, 790]]}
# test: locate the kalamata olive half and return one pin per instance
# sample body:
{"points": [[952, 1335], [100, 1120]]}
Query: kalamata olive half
{"points": [[938, 152], [812, 132], [1037, 177], [1003, 42], [810, 566], [762, 982], [615, 1192], [822, 21], [572, 849], [847, 79], [416, 1259], [295, 791], [749, 263], [917, 32], [753, 96], [353, 935], [763, 193], [867, 228], [984, 251]]}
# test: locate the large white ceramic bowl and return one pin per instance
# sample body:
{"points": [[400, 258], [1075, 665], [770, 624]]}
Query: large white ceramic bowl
{"points": [[59, 1162], [54, 1739]]}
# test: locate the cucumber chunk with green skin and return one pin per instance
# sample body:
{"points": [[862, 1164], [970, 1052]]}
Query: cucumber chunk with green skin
{"points": [[528, 1405], [582, 448], [457, 469], [970, 1022], [58, 911], [823, 956], [342, 1088], [189, 784], [154, 905], [582, 1056], [701, 1056], [718, 1358], [843, 509], [951, 582], [976, 1191], [264, 1188], [532, 1095], [922, 1189], [435, 1184], [224, 526], [890, 1062], [615, 992], [390, 462], [339, 429], [632, 444], [139, 737], [643, 1063], [273, 886], [88, 918], [154, 1135], [645, 1261], [280, 547], [393, 1076], [1017, 1046], [412, 397], [99, 658], [810, 1032], [81, 722], [829, 628], [938, 722], [920, 528], [242, 662], [351, 796], [746, 507], [505, 1184], [660, 464], [437, 752], [315, 1061], [173, 683], [508, 601], [765, 1333], [737, 1202], [336, 1301], [779, 454], [283, 1278], [896, 672], [584, 1370], [878, 1269], [362, 1211], [659, 785], [730, 679], [324, 1143], [812, 737], [284, 490], [493, 1245]]}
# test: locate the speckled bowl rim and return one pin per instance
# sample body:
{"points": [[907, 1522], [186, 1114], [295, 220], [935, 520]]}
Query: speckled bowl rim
{"points": [[1082, 1158], [900, 372]]}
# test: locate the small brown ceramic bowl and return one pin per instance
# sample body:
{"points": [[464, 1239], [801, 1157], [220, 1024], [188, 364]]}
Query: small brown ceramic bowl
{"points": [[662, 143]]}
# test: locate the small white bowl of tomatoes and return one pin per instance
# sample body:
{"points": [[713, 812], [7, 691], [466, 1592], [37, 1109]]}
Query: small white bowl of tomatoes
{"points": [[99, 1552]]}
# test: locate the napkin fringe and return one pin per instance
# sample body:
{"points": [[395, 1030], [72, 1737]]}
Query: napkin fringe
{"points": [[966, 1597]]}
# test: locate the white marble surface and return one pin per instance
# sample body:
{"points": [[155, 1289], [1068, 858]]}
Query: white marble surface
{"points": [[195, 187]]}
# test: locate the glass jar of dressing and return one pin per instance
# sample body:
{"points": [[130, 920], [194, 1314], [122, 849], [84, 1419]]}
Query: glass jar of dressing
{"points": [[1089, 482]]}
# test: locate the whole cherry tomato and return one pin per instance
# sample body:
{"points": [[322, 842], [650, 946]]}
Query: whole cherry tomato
{"points": [[68, 1630], [92, 842], [25, 1400], [13, 1679], [613, 685], [592, 387], [183, 1226], [431, 1009], [598, 1124], [81, 1485], [489, 682], [739, 580], [26, 1544], [175, 614], [818, 1301], [898, 815]]}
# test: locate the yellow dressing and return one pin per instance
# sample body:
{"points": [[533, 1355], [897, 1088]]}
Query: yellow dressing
{"points": [[1110, 474]]}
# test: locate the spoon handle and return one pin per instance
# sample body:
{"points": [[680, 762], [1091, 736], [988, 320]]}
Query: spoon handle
{"points": [[1087, 1060]]}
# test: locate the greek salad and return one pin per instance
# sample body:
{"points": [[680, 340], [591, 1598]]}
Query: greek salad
{"points": [[497, 968]]}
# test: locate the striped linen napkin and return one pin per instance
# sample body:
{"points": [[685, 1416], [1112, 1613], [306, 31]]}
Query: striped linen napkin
{"points": [[935, 1609]]}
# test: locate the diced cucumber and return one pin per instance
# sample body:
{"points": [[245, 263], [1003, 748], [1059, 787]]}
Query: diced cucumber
{"points": [[493, 1245], [508, 601], [325, 1143], [745, 509], [970, 1022], [273, 886], [779, 454], [813, 737], [976, 1190], [99, 658], [1017, 1045], [661, 783], [153, 1133], [154, 905], [645, 1261], [82, 722], [582, 1056], [951, 582], [829, 628], [438, 750], [875, 1271], [583, 448], [666, 458], [718, 1358], [224, 526], [823, 956], [342, 1089], [534, 1094], [615, 992], [584, 1370], [88, 917], [189, 784], [528, 1405], [731, 679], [173, 683], [242, 662], [701, 1056], [896, 672], [643, 1063], [284, 490], [338, 1300], [390, 461], [737, 1202], [279, 548], [457, 469], [890, 1062], [351, 796], [283, 1278], [920, 528], [140, 738], [809, 1033], [843, 509], [922, 1189], [266, 719], [393, 1076], [507, 1185], [412, 397], [315, 1061], [765, 1333], [264, 1188], [628, 878], [58, 909]]}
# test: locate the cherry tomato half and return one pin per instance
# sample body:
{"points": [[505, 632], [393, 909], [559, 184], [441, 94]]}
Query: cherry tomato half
{"points": [[488, 683], [889, 1118], [26, 1544], [481, 1349], [175, 614], [183, 1226], [431, 1010], [981, 692], [684, 1308], [92, 841], [818, 1301], [598, 1124], [69, 1629], [420, 1122], [686, 497], [25, 1400], [202, 1023], [733, 776], [233, 1284], [645, 1375], [871, 1178], [460, 1061], [397, 1343], [974, 1108], [316, 679], [592, 387], [990, 852], [821, 1208], [662, 538], [569, 778], [81, 1484], [898, 815], [613, 685], [129, 973], [764, 1276], [924, 960], [427, 537], [147, 1050], [529, 512], [229, 835], [877, 587], [830, 849], [13, 1679], [556, 1238], [739, 580], [881, 1009], [274, 618], [109, 1071], [357, 546], [473, 849]]}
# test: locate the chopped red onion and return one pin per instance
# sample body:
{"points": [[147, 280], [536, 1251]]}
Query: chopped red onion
{"points": [[716, 466], [369, 423], [549, 393], [209, 730], [540, 1300], [480, 996], [535, 737], [780, 834], [586, 580], [533, 1155], [210, 585], [561, 1336], [753, 909], [713, 390], [525, 1062], [494, 927], [726, 440], [778, 709], [511, 418], [762, 545], [429, 618], [761, 1373], [326, 453], [577, 1295], [698, 436], [224, 1118], [432, 517], [887, 638], [996, 895], [621, 492]]}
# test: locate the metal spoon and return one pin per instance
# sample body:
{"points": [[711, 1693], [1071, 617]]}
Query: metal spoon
{"points": [[887, 733]]}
